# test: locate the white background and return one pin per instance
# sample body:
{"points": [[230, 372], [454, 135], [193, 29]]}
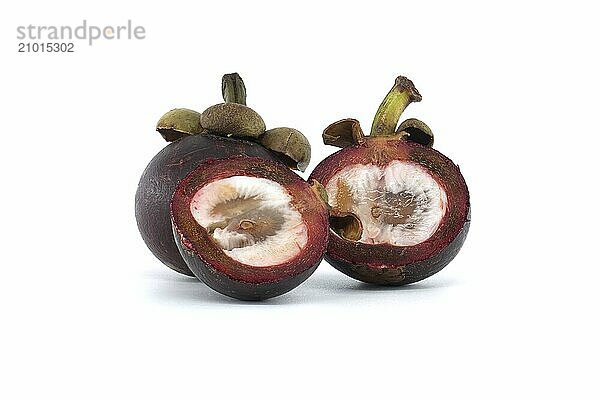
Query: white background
{"points": [[510, 89]]}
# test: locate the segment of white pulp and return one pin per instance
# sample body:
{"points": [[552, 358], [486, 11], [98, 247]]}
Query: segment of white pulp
{"points": [[381, 195], [255, 198]]}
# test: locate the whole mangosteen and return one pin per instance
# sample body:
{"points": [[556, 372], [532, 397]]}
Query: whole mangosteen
{"points": [[225, 130]]}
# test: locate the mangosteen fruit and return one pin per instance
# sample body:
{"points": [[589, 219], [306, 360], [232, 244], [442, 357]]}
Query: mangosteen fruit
{"points": [[400, 209], [160, 178], [248, 227], [192, 143]]}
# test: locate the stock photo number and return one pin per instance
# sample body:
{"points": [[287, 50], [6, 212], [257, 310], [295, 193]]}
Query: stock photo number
{"points": [[46, 47]]}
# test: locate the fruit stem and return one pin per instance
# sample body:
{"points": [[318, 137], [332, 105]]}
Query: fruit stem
{"points": [[233, 89], [398, 98]]}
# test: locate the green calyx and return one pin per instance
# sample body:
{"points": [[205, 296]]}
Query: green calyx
{"points": [[416, 131], [234, 119], [347, 132], [290, 145], [343, 133], [178, 123]]}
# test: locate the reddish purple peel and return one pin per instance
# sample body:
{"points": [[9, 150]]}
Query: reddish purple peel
{"points": [[160, 178], [207, 259], [385, 263]]}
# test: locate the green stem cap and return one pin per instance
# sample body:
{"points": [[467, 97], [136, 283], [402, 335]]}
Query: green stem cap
{"points": [[233, 89], [343, 133], [398, 98]]}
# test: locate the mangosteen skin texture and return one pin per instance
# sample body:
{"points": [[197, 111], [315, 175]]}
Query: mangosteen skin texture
{"points": [[410, 273], [160, 178], [226, 275], [385, 264], [240, 290]]}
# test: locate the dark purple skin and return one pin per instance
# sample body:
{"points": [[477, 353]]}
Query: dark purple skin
{"points": [[226, 275], [410, 273], [161, 177], [384, 264], [223, 284]]}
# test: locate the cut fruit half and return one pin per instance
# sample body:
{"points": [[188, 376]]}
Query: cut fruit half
{"points": [[248, 227], [412, 207], [252, 219], [160, 178]]}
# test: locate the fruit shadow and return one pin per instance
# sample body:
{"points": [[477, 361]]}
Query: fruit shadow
{"points": [[321, 288]]}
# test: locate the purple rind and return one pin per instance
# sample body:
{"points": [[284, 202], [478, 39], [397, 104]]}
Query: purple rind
{"points": [[407, 274], [160, 178], [240, 290]]}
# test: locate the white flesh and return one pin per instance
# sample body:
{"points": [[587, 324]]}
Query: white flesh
{"points": [[422, 201], [256, 198]]}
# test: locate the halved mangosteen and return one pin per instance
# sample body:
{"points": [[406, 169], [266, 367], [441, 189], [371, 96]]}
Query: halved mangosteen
{"points": [[160, 178], [248, 227], [231, 130], [400, 209]]}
